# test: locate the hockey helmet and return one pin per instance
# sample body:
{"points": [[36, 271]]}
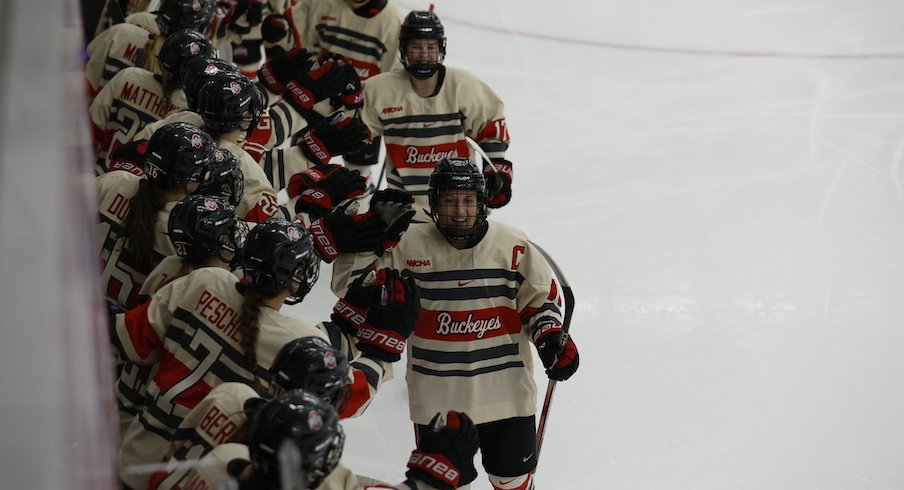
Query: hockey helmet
{"points": [[312, 364], [230, 101], [173, 15], [180, 47], [225, 179], [197, 71], [457, 173], [301, 419], [421, 24], [178, 153], [277, 254], [204, 227]]}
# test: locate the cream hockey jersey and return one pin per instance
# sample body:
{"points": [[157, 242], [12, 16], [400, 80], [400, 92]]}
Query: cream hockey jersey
{"points": [[471, 350], [188, 329], [121, 279], [121, 46], [371, 43], [134, 98], [420, 131]]}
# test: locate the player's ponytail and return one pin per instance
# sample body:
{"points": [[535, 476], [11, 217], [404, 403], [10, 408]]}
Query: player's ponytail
{"points": [[250, 329], [140, 225], [151, 48]]}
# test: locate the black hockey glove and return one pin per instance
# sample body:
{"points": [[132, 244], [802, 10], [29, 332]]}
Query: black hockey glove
{"points": [[352, 94], [453, 445], [557, 351], [390, 321], [281, 69], [350, 312], [252, 10], [320, 189], [274, 28], [324, 80], [338, 233], [393, 206], [333, 136], [499, 182]]}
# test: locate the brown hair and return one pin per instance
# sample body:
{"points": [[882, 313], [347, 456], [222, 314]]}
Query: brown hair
{"points": [[140, 225], [249, 327]]}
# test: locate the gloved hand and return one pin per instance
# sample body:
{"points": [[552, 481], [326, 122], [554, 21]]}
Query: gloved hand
{"points": [[333, 136], [274, 28], [393, 206], [390, 321], [338, 232], [454, 445], [281, 69], [499, 182], [324, 80], [557, 351], [350, 312], [319, 189], [352, 93], [252, 10]]}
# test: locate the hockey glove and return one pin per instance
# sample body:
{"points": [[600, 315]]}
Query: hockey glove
{"points": [[454, 445], [338, 233], [393, 206], [274, 28], [252, 10], [324, 80], [321, 188], [352, 93], [279, 70], [350, 312], [557, 351], [333, 136], [391, 321], [499, 182]]}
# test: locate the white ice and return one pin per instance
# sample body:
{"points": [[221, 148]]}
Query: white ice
{"points": [[721, 181]]}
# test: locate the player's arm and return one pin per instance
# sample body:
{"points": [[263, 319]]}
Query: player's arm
{"points": [[137, 335]]}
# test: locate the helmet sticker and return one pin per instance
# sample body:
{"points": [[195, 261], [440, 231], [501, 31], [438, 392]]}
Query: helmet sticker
{"points": [[210, 204], [293, 234], [211, 70], [196, 141], [193, 48], [235, 88], [329, 360], [315, 421]]}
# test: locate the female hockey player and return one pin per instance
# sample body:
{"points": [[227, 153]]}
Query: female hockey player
{"points": [[208, 328], [302, 424], [487, 294], [134, 206]]}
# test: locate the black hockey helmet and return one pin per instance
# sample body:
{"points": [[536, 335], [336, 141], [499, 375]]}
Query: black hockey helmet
{"points": [[312, 364], [178, 153], [277, 254], [230, 101], [173, 15], [204, 227], [197, 71], [225, 179], [305, 421], [421, 24], [457, 173], [180, 47]]}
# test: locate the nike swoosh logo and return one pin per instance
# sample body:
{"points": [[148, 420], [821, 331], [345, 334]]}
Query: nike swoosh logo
{"points": [[464, 283], [507, 482], [427, 125], [524, 460]]}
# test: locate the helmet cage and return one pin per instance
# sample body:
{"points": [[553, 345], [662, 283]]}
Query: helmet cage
{"points": [[277, 255], [457, 173], [226, 180], [202, 227], [422, 24]]}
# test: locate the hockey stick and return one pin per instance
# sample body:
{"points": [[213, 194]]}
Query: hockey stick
{"points": [[566, 325]]}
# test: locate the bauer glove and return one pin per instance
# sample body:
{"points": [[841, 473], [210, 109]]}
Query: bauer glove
{"points": [[334, 135], [319, 189], [281, 69], [339, 232], [453, 444], [393, 206], [324, 80], [557, 351], [391, 320], [499, 175]]}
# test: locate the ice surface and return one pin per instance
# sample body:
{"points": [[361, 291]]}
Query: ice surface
{"points": [[722, 184]]}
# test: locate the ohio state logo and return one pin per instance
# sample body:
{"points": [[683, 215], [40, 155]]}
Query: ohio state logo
{"points": [[218, 155], [293, 234], [196, 5], [196, 141], [315, 421], [329, 360], [194, 49], [234, 88], [211, 70], [210, 204]]}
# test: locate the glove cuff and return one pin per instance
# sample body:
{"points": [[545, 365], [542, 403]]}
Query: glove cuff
{"points": [[314, 149], [324, 241], [544, 329], [385, 345], [348, 316], [434, 469]]}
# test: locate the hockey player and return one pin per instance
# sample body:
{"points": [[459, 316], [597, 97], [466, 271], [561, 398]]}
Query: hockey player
{"points": [[487, 294], [124, 45], [298, 422], [134, 206], [426, 111], [308, 363], [136, 97], [208, 328], [204, 232], [364, 32]]}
